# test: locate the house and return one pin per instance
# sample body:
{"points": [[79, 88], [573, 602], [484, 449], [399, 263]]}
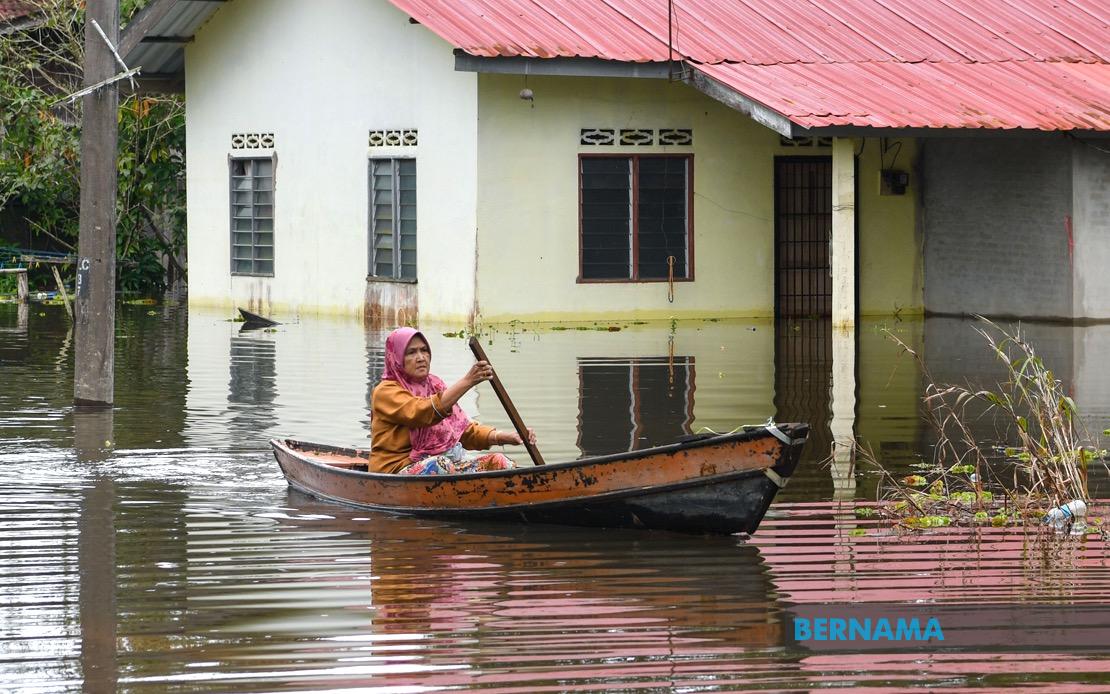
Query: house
{"points": [[556, 160]]}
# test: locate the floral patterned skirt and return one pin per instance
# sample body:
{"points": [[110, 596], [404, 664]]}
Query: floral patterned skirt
{"points": [[457, 461]]}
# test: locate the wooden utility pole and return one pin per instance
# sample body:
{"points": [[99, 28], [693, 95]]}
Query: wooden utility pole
{"points": [[95, 324]]}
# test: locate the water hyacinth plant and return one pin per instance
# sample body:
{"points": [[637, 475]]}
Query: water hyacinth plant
{"points": [[1038, 460]]}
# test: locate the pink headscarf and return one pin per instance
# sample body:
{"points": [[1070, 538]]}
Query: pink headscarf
{"points": [[436, 438]]}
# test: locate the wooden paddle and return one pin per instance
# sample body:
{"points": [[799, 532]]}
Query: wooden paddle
{"points": [[503, 396]]}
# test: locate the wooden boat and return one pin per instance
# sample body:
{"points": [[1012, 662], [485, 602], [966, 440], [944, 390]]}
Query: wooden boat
{"points": [[703, 484]]}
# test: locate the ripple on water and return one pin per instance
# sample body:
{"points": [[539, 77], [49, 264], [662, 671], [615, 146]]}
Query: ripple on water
{"points": [[278, 591], [158, 548]]}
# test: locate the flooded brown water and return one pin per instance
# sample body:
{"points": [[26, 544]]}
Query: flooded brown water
{"points": [[157, 548]]}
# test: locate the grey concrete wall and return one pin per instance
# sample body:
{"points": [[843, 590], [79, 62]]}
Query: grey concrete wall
{"points": [[955, 354], [1091, 224], [1092, 378], [993, 214]]}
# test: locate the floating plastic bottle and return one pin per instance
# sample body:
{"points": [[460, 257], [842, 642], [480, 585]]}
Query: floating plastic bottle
{"points": [[1073, 513]]}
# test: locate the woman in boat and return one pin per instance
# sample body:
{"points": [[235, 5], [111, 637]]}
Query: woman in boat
{"points": [[416, 424]]}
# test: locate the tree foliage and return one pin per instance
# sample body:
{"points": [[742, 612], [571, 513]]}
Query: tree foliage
{"points": [[40, 148]]}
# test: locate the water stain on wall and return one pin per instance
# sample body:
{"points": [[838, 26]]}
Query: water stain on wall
{"points": [[390, 304]]}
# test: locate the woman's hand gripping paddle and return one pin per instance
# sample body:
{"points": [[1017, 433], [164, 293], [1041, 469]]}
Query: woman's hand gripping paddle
{"points": [[503, 396]]}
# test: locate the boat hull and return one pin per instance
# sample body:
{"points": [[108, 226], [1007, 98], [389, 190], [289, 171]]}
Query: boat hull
{"points": [[716, 484]]}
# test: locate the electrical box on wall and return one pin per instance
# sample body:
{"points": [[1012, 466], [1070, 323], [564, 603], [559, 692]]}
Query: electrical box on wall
{"points": [[893, 182]]}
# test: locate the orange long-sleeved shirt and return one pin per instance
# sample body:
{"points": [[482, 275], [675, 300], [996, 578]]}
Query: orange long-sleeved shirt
{"points": [[394, 412]]}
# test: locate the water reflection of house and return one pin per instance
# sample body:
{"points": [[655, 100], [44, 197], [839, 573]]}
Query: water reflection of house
{"points": [[630, 404], [482, 591], [587, 391], [547, 160]]}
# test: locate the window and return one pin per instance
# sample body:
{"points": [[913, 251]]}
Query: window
{"points": [[634, 403], [635, 217], [393, 218], [252, 216]]}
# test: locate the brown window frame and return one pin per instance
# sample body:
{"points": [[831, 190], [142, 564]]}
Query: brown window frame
{"points": [[635, 221]]}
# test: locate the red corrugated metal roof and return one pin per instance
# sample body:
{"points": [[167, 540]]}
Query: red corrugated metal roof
{"points": [[1037, 95], [769, 32], [879, 63], [536, 30]]}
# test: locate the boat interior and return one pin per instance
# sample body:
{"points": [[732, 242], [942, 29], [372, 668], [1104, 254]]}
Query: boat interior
{"points": [[345, 458]]}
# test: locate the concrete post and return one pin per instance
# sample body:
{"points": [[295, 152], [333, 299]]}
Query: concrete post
{"points": [[842, 423], [843, 250], [94, 353], [843, 262]]}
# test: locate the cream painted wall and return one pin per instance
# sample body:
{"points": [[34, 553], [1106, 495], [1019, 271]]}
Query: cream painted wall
{"points": [[891, 274], [320, 76], [528, 199], [528, 205]]}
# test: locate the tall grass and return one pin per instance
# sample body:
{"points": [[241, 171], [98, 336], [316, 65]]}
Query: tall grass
{"points": [[1038, 431]]}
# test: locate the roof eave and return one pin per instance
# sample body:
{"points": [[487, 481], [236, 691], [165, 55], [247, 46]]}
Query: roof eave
{"points": [[560, 66], [163, 23], [141, 25], [873, 131], [733, 99], [596, 67]]}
